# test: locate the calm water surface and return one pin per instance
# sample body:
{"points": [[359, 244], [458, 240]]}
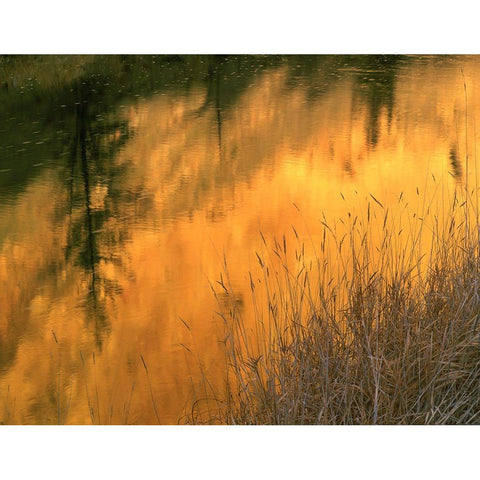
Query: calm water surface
{"points": [[126, 181]]}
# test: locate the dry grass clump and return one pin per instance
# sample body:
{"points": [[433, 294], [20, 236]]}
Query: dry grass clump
{"points": [[379, 326]]}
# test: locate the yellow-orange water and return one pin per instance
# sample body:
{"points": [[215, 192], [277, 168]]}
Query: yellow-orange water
{"points": [[207, 182]]}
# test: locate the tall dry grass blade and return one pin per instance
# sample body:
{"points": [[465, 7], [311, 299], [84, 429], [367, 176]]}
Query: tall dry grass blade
{"points": [[151, 391]]}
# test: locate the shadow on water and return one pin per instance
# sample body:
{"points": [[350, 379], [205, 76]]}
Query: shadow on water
{"points": [[375, 82], [457, 171], [82, 233]]}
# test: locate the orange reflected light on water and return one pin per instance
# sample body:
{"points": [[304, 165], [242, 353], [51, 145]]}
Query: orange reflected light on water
{"points": [[213, 181]]}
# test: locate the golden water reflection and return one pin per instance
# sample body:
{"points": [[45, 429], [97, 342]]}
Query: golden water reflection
{"points": [[200, 182]]}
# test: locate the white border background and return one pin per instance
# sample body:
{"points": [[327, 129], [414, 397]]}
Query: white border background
{"points": [[51, 26], [245, 453], [250, 26]]}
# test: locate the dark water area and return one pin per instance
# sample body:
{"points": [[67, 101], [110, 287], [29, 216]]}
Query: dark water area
{"points": [[125, 181]]}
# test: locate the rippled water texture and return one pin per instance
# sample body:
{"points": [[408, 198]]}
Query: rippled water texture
{"points": [[126, 182]]}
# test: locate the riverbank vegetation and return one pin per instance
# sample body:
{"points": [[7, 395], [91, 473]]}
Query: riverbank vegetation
{"points": [[379, 326]]}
